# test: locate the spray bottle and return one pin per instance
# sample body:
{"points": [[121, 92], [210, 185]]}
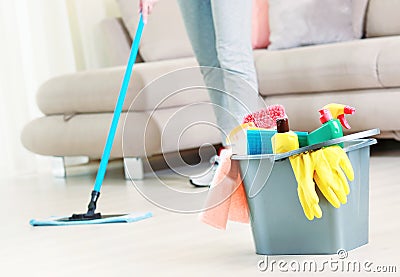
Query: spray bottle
{"points": [[284, 140], [332, 119]]}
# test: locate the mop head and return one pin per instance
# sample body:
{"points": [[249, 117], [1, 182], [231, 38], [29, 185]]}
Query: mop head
{"points": [[266, 118], [64, 221]]}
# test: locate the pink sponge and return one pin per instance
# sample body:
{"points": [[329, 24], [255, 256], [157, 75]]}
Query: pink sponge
{"points": [[266, 118]]}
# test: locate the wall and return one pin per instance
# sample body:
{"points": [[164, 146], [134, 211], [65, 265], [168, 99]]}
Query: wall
{"points": [[35, 46], [85, 16]]}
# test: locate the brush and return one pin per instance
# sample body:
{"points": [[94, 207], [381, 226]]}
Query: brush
{"points": [[266, 118]]}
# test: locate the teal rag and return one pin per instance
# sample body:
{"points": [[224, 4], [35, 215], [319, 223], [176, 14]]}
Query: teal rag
{"points": [[61, 221]]}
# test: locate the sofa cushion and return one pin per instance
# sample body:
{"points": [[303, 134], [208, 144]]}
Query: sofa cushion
{"points": [[388, 63], [164, 36], [375, 108], [383, 18], [329, 67], [138, 134], [85, 135]]}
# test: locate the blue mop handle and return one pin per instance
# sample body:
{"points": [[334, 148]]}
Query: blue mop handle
{"points": [[118, 109]]}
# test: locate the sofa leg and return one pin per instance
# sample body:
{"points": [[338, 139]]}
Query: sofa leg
{"points": [[60, 165], [133, 168]]}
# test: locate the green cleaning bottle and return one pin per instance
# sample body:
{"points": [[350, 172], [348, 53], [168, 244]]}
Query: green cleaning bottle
{"points": [[330, 129], [332, 117]]}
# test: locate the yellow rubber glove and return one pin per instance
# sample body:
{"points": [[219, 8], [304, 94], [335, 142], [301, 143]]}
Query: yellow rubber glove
{"points": [[331, 168], [303, 168]]}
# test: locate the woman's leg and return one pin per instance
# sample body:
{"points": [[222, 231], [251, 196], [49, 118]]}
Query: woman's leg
{"points": [[232, 23], [198, 18]]}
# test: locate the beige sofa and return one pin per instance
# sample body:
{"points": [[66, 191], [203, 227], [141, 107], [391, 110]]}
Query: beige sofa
{"points": [[78, 107]]}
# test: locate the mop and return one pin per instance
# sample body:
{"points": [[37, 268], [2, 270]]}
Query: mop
{"points": [[91, 217]]}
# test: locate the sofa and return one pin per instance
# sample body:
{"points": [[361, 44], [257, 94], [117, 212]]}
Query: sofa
{"points": [[77, 108]]}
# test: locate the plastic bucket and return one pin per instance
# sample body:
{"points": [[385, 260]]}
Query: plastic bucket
{"points": [[278, 223]]}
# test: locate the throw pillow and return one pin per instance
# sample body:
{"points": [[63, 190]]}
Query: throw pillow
{"points": [[129, 14], [296, 23], [260, 24]]}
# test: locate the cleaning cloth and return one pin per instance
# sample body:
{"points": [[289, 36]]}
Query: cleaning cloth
{"points": [[63, 221], [226, 198]]}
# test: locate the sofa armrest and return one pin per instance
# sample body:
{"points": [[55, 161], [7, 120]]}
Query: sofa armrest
{"points": [[96, 91], [116, 42]]}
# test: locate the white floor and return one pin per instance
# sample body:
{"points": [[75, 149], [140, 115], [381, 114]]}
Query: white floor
{"points": [[168, 244]]}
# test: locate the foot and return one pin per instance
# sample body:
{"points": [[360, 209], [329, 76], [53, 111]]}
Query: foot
{"points": [[204, 179]]}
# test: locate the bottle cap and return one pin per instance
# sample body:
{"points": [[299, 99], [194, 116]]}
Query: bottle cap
{"points": [[282, 125], [325, 115]]}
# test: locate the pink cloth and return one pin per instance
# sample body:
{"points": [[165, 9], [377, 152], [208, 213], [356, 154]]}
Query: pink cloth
{"points": [[226, 198]]}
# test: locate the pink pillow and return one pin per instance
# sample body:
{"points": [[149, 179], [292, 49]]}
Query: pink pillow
{"points": [[260, 24]]}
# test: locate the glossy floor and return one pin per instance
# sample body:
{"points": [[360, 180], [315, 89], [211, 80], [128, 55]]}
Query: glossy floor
{"points": [[169, 243]]}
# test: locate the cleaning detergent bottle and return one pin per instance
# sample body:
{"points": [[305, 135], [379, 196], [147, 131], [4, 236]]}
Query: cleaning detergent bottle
{"points": [[338, 111], [284, 140], [332, 119]]}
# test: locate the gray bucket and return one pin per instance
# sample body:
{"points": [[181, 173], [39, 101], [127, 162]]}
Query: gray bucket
{"points": [[278, 223]]}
